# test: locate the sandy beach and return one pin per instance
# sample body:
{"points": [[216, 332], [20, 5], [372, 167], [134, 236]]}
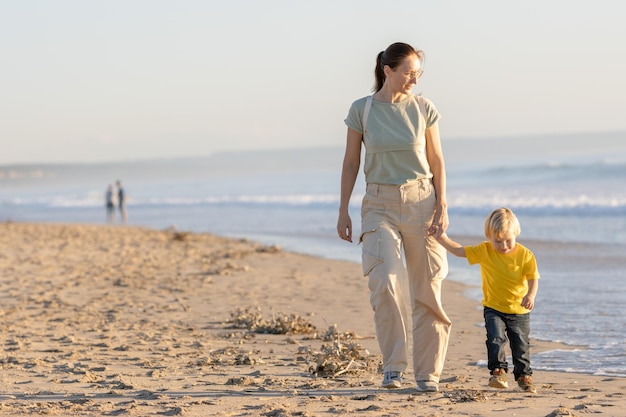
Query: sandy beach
{"points": [[107, 321]]}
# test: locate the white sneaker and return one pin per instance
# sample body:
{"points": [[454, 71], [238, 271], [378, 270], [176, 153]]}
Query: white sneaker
{"points": [[427, 386], [392, 379]]}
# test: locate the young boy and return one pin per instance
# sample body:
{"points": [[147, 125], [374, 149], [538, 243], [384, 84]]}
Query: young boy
{"points": [[509, 282]]}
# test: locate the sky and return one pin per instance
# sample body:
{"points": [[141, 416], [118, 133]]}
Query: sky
{"points": [[117, 80]]}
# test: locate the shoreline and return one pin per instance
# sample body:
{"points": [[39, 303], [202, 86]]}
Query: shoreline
{"points": [[106, 320]]}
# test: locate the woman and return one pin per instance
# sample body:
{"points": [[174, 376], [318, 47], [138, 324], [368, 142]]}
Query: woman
{"points": [[405, 204]]}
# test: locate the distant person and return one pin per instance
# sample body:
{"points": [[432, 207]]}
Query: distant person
{"points": [[110, 204], [121, 202], [510, 282], [405, 197]]}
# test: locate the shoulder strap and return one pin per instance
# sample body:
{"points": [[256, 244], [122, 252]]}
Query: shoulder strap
{"points": [[366, 111], [422, 105]]}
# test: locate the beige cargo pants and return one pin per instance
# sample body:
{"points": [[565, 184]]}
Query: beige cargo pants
{"points": [[395, 219]]}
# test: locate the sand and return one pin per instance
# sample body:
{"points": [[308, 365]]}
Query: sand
{"points": [[110, 320]]}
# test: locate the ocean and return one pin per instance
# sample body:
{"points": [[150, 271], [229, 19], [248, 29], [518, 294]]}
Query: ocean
{"points": [[569, 192]]}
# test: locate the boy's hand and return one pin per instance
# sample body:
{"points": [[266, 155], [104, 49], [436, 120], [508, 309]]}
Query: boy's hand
{"points": [[528, 302], [436, 231], [440, 222]]}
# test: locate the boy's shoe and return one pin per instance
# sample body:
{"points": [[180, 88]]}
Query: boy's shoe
{"points": [[392, 379], [427, 386], [498, 379], [525, 382]]}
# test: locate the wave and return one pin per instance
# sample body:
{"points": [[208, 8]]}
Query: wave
{"points": [[549, 172], [547, 188], [91, 201], [580, 205], [461, 203]]}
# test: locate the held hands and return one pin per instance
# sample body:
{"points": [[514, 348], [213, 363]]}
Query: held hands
{"points": [[440, 223], [344, 227], [436, 231]]}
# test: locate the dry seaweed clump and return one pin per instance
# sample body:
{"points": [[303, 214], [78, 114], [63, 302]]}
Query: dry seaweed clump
{"points": [[253, 321], [562, 411], [269, 249], [343, 356], [180, 236], [333, 334], [462, 396], [228, 357]]}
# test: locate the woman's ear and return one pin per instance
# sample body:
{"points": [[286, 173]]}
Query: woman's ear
{"points": [[387, 70]]}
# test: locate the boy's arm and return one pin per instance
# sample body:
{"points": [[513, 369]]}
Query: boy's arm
{"points": [[451, 246], [528, 301]]}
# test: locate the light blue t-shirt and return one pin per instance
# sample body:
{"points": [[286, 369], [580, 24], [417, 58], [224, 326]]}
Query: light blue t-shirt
{"points": [[395, 139]]}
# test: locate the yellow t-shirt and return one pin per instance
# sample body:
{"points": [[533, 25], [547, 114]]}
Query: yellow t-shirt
{"points": [[504, 276]]}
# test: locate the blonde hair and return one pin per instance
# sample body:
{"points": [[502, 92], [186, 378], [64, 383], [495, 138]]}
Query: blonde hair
{"points": [[501, 221]]}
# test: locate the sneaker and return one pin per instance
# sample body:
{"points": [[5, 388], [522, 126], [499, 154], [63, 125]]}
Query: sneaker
{"points": [[525, 382], [427, 386], [498, 379], [392, 379]]}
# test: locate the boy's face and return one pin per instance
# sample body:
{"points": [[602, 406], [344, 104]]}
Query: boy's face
{"points": [[503, 242]]}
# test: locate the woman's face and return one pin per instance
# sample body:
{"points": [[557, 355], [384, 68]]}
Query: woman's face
{"points": [[404, 77]]}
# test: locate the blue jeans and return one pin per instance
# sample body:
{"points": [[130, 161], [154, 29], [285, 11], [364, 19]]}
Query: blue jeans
{"points": [[517, 328]]}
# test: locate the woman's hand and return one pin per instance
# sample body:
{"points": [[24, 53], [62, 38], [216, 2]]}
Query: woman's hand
{"points": [[440, 222], [349, 172], [344, 227]]}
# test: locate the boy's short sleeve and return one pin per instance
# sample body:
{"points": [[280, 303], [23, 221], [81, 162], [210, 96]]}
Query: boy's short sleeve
{"points": [[474, 253], [530, 270]]}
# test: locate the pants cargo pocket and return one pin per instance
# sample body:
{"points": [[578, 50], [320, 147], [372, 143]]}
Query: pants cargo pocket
{"points": [[437, 259], [371, 256]]}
